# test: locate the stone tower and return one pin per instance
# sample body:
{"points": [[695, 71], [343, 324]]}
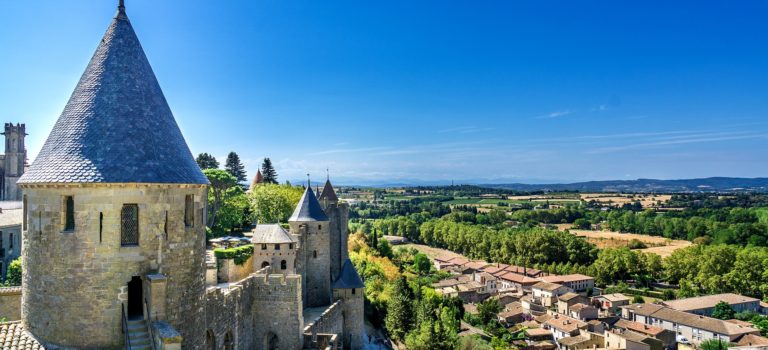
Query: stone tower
{"points": [[14, 161], [115, 206], [310, 223], [349, 287], [338, 215]]}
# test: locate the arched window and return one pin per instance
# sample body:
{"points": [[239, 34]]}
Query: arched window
{"points": [[283, 265], [129, 225], [229, 343], [264, 264], [210, 340]]}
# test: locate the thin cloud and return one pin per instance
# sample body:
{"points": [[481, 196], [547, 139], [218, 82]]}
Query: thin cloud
{"points": [[676, 142], [555, 114], [350, 150]]}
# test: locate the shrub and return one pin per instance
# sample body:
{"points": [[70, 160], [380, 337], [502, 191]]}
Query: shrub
{"points": [[239, 254], [13, 275]]}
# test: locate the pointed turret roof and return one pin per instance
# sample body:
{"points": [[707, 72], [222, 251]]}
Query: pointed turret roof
{"points": [[117, 126], [348, 278], [309, 208], [258, 179], [328, 192]]}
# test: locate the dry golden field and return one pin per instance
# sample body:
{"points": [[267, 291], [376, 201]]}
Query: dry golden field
{"points": [[610, 239]]}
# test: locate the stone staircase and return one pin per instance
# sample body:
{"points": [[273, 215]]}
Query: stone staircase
{"points": [[138, 333]]}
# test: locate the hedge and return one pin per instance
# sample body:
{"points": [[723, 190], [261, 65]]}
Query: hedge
{"points": [[240, 254]]}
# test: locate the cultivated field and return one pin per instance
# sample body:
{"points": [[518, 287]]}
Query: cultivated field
{"points": [[610, 239], [431, 252], [647, 200]]}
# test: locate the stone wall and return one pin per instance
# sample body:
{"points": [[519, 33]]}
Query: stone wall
{"points": [[277, 311], [229, 271], [10, 303], [83, 273], [331, 321]]}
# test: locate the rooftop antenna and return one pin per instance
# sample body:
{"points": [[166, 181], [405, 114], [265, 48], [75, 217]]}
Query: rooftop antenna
{"points": [[328, 174], [309, 183]]}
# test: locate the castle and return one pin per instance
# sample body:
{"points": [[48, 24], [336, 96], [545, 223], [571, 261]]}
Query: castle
{"points": [[13, 162], [114, 247]]}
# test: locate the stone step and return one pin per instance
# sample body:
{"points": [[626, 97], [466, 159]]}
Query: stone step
{"points": [[138, 335], [140, 341], [141, 347], [134, 327]]}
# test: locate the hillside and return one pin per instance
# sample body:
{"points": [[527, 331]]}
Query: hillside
{"points": [[711, 184]]}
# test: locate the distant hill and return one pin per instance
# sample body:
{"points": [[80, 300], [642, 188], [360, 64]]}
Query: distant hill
{"points": [[710, 184]]}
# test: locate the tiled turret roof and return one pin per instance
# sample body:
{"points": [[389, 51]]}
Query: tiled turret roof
{"points": [[328, 192], [117, 126], [308, 208], [349, 278]]}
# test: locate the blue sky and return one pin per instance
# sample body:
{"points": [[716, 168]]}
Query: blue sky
{"points": [[399, 91]]}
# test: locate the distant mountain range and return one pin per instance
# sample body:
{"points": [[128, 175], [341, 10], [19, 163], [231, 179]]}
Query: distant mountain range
{"points": [[710, 184]]}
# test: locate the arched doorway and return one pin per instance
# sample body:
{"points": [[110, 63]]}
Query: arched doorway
{"points": [[270, 341], [135, 299], [229, 343], [264, 264], [210, 340]]}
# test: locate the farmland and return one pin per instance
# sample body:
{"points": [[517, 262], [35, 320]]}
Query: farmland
{"points": [[610, 239]]}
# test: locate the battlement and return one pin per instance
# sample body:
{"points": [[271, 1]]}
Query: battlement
{"points": [[21, 128]]}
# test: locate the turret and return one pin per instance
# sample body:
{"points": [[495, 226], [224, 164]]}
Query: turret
{"points": [[310, 223], [114, 206], [338, 214], [349, 287]]}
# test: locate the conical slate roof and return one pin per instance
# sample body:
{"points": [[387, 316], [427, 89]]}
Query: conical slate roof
{"points": [[308, 208], [117, 126], [328, 192], [349, 278]]}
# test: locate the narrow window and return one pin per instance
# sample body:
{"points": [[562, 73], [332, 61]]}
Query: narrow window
{"points": [[40, 222], [319, 227], [69, 213], [290, 246], [283, 265], [1, 239], [263, 247], [314, 254], [189, 210], [353, 290], [10, 240], [277, 247], [129, 225], [165, 225], [101, 224], [24, 213]]}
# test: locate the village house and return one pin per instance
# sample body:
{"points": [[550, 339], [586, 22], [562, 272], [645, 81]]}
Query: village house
{"points": [[630, 340], [565, 301], [611, 303], [517, 282], [667, 337], [564, 326], [704, 305], [546, 294], [688, 327], [584, 312], [577, 282]]}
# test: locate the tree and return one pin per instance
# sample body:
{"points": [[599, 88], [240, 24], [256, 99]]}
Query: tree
{"points": [[723, 311], [221, 181], [421, 264], [272, 203], [384, 248], [714, 344], [235, 212], [637, 299], [235, 167], [399, 318], [207, 161], [488, 310], [268, 171], [13, 274]]}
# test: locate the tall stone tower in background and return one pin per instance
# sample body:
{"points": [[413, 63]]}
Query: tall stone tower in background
{"points": [[310, 223], [13, 161], [338, 214]]}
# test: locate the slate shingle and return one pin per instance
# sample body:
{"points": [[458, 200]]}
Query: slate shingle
{"points": [[117, 126]]}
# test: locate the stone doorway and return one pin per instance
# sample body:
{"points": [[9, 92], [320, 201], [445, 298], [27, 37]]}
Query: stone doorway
{"points": [[135, 299], [270, 341]]}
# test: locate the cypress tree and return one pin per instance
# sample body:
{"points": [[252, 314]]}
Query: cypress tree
{"points": [[235, 167], [268, 171]]}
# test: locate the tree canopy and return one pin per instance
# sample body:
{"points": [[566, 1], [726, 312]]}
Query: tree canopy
{"points": [[207, 161]]}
